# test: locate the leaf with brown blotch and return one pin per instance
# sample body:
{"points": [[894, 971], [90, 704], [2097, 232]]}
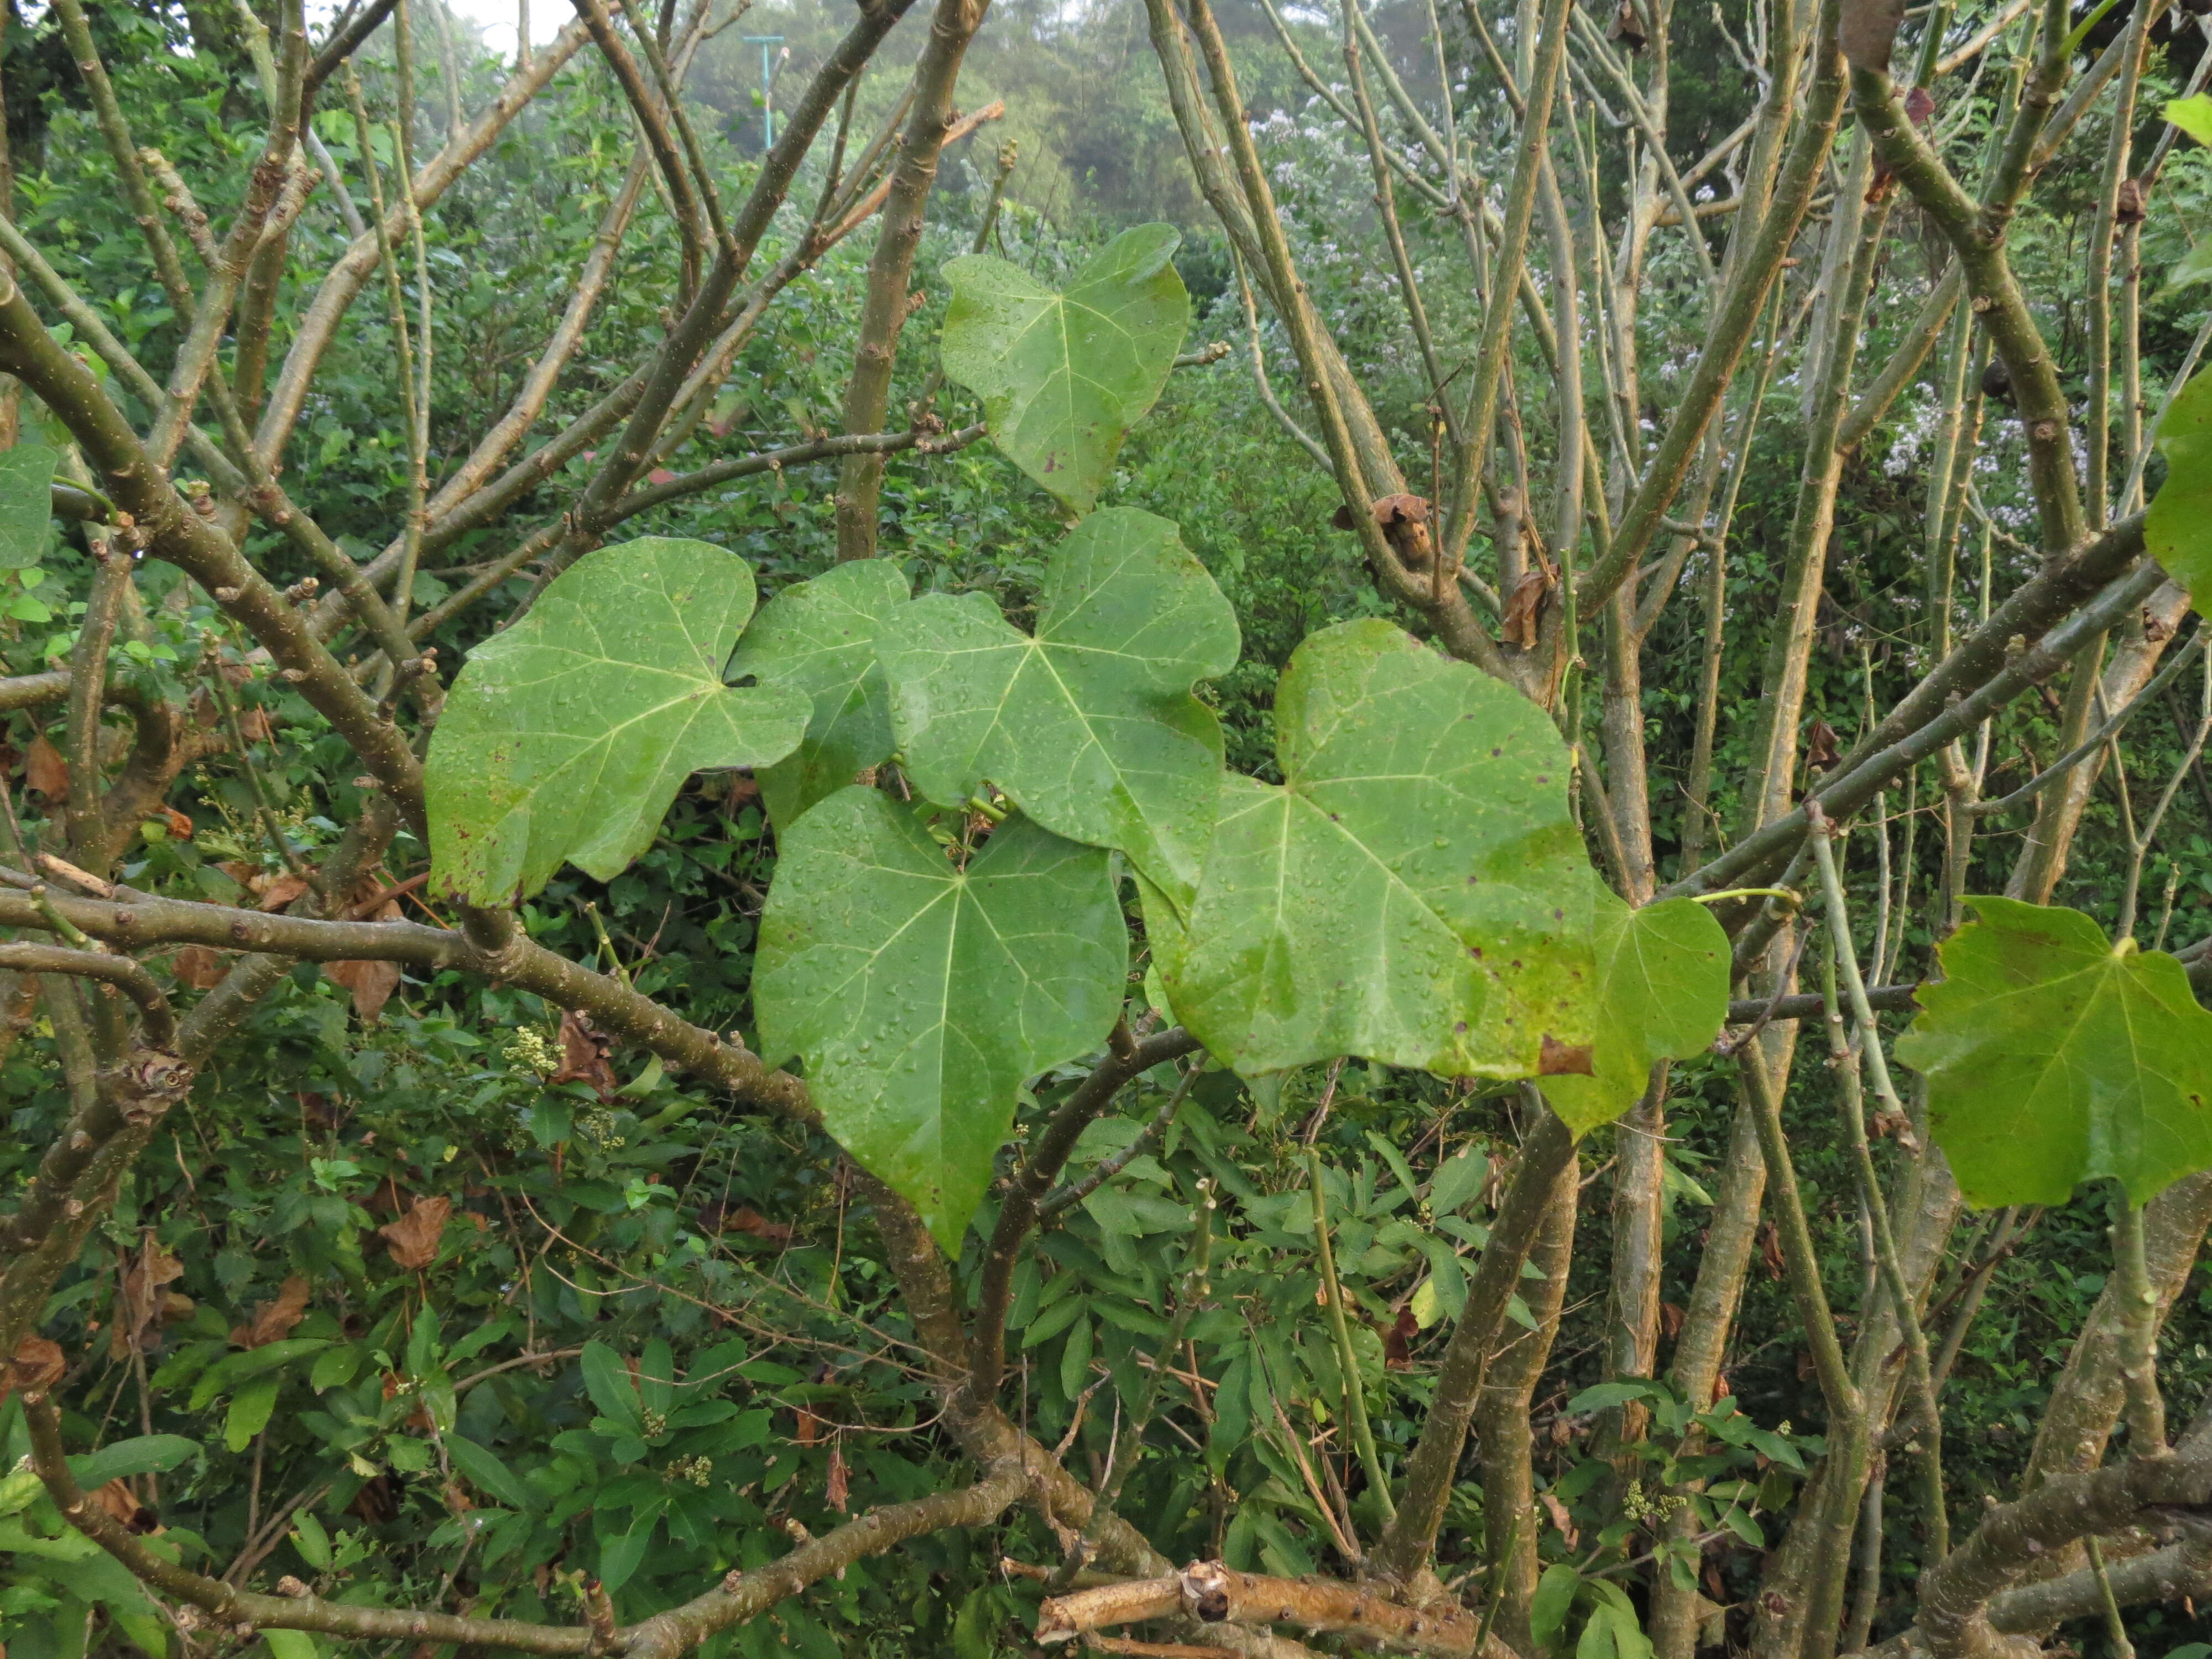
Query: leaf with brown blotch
{"points": [[414, 1238], [45, 770], [584, 1057], [1557, 1058], [273, 1321], [37, 1364], [371, 983], [197, 966]]}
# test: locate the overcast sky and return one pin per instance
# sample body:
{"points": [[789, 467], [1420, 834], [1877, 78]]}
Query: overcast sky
{"points": [[497, 19]]}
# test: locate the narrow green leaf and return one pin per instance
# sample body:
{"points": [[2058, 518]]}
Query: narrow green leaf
{"points": [[819, 638], [1662, 975], [234, 1368], [607, 1379], [1089, 725], [566, 737], [487, 1472], [26, 478], [150, 1453], [2178, 530], [922, 995], [1064, 376], [1415, 891], [250, 1410], [2053, 1059]]}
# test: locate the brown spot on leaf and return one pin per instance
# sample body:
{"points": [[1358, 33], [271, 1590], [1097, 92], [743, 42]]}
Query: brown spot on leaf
{"points": [[1559, 1059]]}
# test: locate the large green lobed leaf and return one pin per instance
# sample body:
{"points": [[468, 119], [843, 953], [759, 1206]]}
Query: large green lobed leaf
{"points": [[1064, 376], [2178, 530], [819, 638], [922, 996], [2053, 1059], [1663, 977], [1415, 892], [1089, 725], [566, 737]]}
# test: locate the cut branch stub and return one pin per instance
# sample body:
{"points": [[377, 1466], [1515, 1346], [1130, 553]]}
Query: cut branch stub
{"points": [[2178, 532], [568, 736], [1064, 376], [1414, 892], [921, 996], [1662, 994], [2053, 1058], [819, 638], [1089, 725]]}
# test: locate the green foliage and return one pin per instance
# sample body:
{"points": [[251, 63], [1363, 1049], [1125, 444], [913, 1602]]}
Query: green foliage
{"points": [[1414, 891], [26, 475], [1662, 979], [820, 638], [1089, 724], [923, 993], [2054, 1058], [2178, 530], [1064, 375], [566, 737]]}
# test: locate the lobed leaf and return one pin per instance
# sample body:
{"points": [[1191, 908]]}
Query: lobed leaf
{"points": [[2053, 1058], [1064, 376], [567, 737], [922, 995], [1662, 993], [1415, 891], [819, 638], [1089, 726]]}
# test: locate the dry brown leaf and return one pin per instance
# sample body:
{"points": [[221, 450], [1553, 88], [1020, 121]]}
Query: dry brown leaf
{"points": [[807, 1428], [841, 1481], [278, 892], [1560, 1518], [36, 1362], [274, 1320], [178, 825], [1821, 752], [2129, 207], [119, 1501], [145, 1307], [414, 1238], [45, 770], [1770, 1250], [371, 982], [715, 1217], [584, 1056], [1671, 1315], [197, 966], [1524, 609]]}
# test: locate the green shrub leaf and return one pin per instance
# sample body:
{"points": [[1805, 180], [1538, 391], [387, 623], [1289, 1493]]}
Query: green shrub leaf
{"points": [[1662, 979], [567, 737], [27, 477], [922, 995], [2053, 1059], [1063, 376], [819, 638], [2178, 530], [1415, 892], [1090, 726]]}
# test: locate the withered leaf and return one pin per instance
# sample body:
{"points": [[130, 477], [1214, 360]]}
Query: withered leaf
{"points": [[414, 1238], [584, 1056], [45, 770], [145, 1307], [1524, 607], [197, 966], [281, 890], [121, 1502], [1821, 752], [274, 1320], [840, 1482], [2128, 206], [36, 1362], [371, 982]]}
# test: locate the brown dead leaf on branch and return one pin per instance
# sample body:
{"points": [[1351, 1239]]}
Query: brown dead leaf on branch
{"points": [[584, 1057], [198, 967], [274, 1320], [414, 1238], [146, 1306], [370, 982], [36, 1362], [45, 770], [121, 1502], [1524, 609]]}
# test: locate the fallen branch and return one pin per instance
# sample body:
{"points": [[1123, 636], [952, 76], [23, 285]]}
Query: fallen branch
{"points": [[1212, 1594]]}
